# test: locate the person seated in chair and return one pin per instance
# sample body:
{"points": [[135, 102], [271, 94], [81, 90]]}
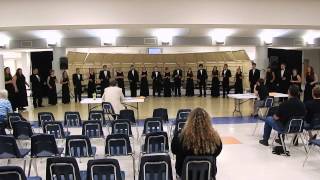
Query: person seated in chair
{"points": [[313, 109], [5, 106], [113, 94], [293, 107], [196, 138], [261, 91]]}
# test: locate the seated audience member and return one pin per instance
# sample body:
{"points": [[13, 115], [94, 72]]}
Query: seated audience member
{"points": [[313, 109], [261, 91], [293, 107], [5, 106], [113, 94], [196, 138]]}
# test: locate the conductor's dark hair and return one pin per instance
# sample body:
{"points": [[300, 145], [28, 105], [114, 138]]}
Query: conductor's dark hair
{"points": [[200, 65], [113, 83], [294, 91]]}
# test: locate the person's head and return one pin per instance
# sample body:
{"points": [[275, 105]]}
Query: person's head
{"points": [[155, 68], [294, 72], [260, 82], [144, 68], [7, 71], [316, 92], [294, 91], [268, 69], [198, 134], [254, 65], [200, 66], [113, 83], [189, 69], [19, 72], [78, 71], [166, 69], [3, 94], [239, 69], [91, 71], [132, 67], [310, 70], [51, 72], [225, 66], [105, 67], [35, 71], [215, 68], [283, 66], [65, 74]]}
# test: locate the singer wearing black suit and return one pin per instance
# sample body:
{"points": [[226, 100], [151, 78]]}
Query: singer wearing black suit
{"points": [[226, 74], [177, 76], [104, 77], [77, 84], [202, 77], [156, 83], [133, 77], [36, 88], [284, 77], [254, 76]]}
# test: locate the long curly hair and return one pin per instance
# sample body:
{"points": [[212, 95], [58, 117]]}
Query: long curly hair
{"points": [[198, 135]]}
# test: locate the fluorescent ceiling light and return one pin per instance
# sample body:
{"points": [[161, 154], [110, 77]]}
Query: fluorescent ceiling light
{"points": [[267, 35], [165, 35], [219, 35], [310, 36], [4, 40], [53, 37], [107, 36]]}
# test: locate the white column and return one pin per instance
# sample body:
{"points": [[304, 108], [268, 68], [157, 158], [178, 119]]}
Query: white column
{"points": [[262, 60], [57, 53], [1, 74]]}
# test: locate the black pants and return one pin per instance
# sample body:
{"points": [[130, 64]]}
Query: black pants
{"points": [[252, 87], [37, 99], [202, 85], [156, 87], [177, 88], [133, 89], [225, 88], [77, 94]]}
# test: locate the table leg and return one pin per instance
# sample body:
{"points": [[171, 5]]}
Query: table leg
{"points": [[137, 123]]}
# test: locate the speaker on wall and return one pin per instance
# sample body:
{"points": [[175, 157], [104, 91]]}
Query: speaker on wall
{"points": [[63, 63]]}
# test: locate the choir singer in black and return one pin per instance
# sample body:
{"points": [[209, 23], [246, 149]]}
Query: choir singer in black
{"points": [[133, 77], [77, 85], [202, 77], [226, 74], [254, 76], [104, 77], [177, 76], [36, 88], [156, 81]]}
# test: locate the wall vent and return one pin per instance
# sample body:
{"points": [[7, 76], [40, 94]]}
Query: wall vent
{"points": [[26, 44], [298, 42], [150, 41]]}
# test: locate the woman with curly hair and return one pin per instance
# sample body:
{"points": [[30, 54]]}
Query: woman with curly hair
{"points": [[198, 137]]}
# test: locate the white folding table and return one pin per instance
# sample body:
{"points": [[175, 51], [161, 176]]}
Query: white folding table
{"points": [[240, 99]]}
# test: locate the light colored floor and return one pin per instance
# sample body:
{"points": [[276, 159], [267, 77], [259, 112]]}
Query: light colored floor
{"points": [[242, 157]]}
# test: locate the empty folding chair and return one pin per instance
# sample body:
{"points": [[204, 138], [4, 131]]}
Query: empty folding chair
{"points": [[152, 125], [13, 117], [55, 128], [97, 116], [156, 142], [45, 116], [127, 114], [14, 173], [314, 124], [109, 111], [121, 126], [155, 167], [92, 129], [43, 145], [179, 124], [108, 169], [183, 113], [72, 119], [9, 149], [79, 146], [161, 113], [22, 130], [294, 127], [119, 145], [265, 111], [199, 168], [63, 168]]}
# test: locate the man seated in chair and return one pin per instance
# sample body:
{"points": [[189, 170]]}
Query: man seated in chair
{"points": [[113, 94], [261, 91], [293, 107], [313, 109]]}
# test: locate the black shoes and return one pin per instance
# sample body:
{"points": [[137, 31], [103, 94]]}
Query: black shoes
{"points": [[264, 142]]}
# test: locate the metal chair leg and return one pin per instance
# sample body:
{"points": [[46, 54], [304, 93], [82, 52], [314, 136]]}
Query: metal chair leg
{"points": [[307, 156], [283, 144], [304, 145]]}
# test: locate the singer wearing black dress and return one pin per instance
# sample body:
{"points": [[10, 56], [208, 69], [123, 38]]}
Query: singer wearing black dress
{"points": [[238, 84], [226, 74], [10, 88], [215, 89], [144, 86], [91, 83], [52, 91], [296, 79], [270, 80], [166, 83], [65, 88], [189, 84], [311, 80], [20, 83], [120, 80]]}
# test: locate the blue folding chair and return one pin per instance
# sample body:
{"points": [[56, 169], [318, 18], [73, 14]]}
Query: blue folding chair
{"points": [[63, 168], [22, 130], [199, 168], [109, 111], [15, 173], [121, 126], [156, 142], [44, 116], [55, 128], [79, 146], [161, 113], [92, 129], [72, 119], [104, 169], [152, 125], [97, 116]]}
